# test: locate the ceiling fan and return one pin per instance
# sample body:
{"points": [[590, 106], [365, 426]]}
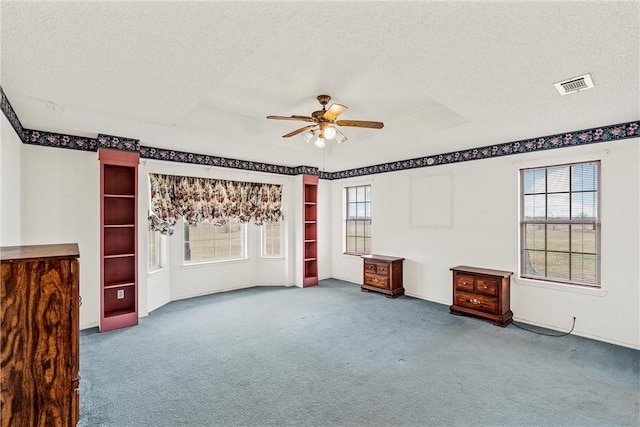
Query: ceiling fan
{"points": [[324, 123]]}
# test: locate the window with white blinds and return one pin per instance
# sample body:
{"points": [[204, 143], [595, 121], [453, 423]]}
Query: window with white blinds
{"points": [[560, 224], [358, 220], [271, 233], [154, 250], [212, 242]]}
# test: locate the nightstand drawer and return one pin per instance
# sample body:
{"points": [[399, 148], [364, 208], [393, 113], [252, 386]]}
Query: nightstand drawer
{"points": [[370, 268], [464, 283], [487, 286], [382, 270], [476, 302], [377, 281]]}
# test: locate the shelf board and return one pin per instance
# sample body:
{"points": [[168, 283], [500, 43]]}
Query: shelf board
{"points": [[119, 284], [310, 259], [121, 196], [310, 203], [114, 313], [309, 281], [119, 256], [119, 225], [310, 240]]}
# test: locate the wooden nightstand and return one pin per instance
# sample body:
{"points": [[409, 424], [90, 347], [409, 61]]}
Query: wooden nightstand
{"points": [[382, 274], [482, 292]]}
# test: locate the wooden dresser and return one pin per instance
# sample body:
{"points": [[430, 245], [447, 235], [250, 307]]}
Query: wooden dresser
{"points": [[382, 274], [39, 319], [483, 293]]}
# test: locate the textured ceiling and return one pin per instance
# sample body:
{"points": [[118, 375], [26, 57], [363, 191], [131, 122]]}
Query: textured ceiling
{"points": [[202, 76]]}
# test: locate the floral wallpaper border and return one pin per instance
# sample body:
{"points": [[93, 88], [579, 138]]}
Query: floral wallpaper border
{"points": [[11, 115], [209, 160], [569, 139], [118, 143]]}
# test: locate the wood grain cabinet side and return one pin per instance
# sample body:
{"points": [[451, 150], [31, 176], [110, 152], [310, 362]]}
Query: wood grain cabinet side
{"points": [[382, 274], [483, 293], [39, 301]]}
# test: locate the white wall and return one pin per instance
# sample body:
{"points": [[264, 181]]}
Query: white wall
{"points": [[61, 204], [483, 232], [324, 216], [10, 152]]}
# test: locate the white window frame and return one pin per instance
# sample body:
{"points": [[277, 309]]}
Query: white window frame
{"points": [[361, 213], [267, 242], [154, 246], [546, 222], [218, 236]]}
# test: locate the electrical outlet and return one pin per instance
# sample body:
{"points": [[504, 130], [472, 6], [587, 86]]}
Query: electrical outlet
{"points": [[120, 294]]}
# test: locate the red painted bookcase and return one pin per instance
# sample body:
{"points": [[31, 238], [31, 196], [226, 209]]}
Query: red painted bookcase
{"points": [[310, 233], [118, 239]]}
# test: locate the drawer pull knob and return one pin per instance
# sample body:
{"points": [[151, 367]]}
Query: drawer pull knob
{"points": [[473, 301], [464, 283], [485, 286], [376, 280]]}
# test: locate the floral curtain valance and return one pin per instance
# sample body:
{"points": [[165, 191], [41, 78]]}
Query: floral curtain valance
{"points": [[213, 200]]}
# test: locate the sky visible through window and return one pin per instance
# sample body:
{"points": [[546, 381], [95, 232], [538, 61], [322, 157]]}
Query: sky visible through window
{"points": [[563, 192]]}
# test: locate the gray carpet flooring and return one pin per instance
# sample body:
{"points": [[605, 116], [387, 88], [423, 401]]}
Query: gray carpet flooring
{"points": [[332, 355]]}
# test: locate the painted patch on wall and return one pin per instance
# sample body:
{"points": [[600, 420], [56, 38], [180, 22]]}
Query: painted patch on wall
{"points": [[431, 198]]}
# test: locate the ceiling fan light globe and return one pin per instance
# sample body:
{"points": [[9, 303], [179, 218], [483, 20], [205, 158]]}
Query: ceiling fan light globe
{"points": [[340, 138], [329, 132], [308, 136], [319, 142]]}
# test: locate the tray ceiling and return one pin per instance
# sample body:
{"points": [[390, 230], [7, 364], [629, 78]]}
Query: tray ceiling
{"points": [[202, 76]]}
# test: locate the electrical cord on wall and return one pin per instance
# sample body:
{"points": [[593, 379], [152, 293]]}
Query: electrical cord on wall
{"points": [[547, 335]]}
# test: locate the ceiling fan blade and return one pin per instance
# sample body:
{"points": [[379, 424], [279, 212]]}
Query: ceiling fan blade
{"points": [[334, 111], [298, 118], [295, 132], [360, 124]]}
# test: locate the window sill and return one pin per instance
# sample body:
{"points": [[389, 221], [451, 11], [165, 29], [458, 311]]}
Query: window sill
{"points": [[273, 258], [577, 289], [211, 263], [354, 254], [156, 271]]}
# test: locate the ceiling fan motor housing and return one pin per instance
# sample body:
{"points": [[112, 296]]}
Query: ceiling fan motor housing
{"points": [[318, 114], [324, 100]]}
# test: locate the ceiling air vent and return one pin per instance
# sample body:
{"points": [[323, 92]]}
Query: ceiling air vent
{"points": [[575, 84]]}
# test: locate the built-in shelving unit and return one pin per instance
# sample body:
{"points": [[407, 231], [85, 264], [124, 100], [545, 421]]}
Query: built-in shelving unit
{"points": [[118, 239], [310, 218]]}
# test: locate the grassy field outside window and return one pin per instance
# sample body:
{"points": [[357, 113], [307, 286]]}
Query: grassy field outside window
{"points": [[208, 242], [560, 227]]}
